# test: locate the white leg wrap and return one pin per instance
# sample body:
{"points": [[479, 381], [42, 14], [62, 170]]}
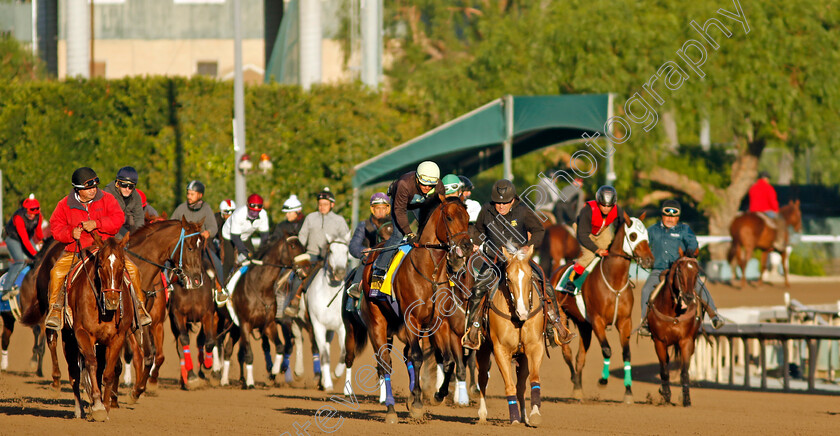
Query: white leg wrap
{"points": [[225, 373], [348, 382], [278, 360], [249, 375], [462, 398], [217, 364], [4, 360], [439, 381], [381, 390]]}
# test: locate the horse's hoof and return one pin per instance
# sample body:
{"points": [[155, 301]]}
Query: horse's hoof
{"points": [[577, 394], [132, 399], [416, 412], [434, 400], [535, 419], [602, 382], [99, 415], [515, 424], [628, 399], [56, 386], [152, 386], [248, 387], [391, 418]]}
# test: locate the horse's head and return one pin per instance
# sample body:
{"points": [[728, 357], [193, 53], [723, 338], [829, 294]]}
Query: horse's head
{"points": [[337, 256], [292, 253], [636, 243], [793, 215], [683, 276], [518, 277], [187, 254], [450, 223], [110, 268]]}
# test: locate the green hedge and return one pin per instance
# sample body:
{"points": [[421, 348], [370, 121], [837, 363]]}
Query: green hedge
{"points": [[175, 129]]}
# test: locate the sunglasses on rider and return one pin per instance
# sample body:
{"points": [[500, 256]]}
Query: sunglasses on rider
{"points": [[92, 183], [34, 209], [255, 206], [671, 211], [126, 185]]}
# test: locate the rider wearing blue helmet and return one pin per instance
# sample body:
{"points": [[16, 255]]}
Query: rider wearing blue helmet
{"points": [[366, 236]]}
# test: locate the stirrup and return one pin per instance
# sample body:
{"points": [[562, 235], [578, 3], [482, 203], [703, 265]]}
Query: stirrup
{"points": [[643, 330], [53, 321], [293, 308], [466, 342], [353, 291], [221, 297]]}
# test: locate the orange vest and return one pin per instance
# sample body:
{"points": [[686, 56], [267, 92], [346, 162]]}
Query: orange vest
{"points": [[598, 221]]}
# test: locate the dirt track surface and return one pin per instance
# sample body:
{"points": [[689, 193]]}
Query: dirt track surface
{"points": [[29, 406]]}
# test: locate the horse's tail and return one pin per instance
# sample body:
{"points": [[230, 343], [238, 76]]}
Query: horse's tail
{"points": [[360, 335]]}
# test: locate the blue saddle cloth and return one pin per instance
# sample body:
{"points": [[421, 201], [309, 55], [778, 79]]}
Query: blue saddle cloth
{"points": [[6, 286]]}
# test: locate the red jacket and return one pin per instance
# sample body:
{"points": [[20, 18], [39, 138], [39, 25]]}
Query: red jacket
{"points": [[763, 197], [69, 214]]}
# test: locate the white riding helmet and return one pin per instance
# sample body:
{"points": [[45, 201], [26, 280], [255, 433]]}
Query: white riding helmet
{"points": [[292, 204], [227, 206], [428, 173]]}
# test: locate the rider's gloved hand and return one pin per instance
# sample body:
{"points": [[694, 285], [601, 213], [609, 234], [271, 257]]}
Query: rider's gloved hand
{"points": [[411, 238], [241, 257]]}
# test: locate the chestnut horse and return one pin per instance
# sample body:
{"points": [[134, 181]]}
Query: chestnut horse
{"points": [[442, 249], [517, 322], [674, 319], [181, 244], [559, 247], [608, 302], [750, 231], [103, 312], [255, 304]]}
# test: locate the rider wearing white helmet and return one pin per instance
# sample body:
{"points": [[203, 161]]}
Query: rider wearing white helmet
{"points": [[416, 191], [293, 209]]}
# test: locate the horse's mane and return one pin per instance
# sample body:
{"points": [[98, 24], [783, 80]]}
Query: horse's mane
{"points": [[39, 256], [143, 232]]}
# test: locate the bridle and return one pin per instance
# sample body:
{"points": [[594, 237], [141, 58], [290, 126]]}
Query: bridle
{"points": [[179, 247], [687, 296]]}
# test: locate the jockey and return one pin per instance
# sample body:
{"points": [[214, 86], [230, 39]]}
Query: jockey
{"points": [[506, 221], [667, 237], [76, 217], [763, 200], [366, 236], [147, 208], [123, 189], [596, 226], [242, 224], [23, 233], [195, 209], [565, 211], [294, 218], [416, 191], [473, 207], [318, 227], [224, 249]]}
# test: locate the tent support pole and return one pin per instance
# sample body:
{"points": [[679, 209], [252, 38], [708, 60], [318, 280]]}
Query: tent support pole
{"points": [[507, 152], [354, 217], [610, 168]]}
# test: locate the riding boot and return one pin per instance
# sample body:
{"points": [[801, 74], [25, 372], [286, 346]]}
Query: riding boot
{"points": [[56, 287], [472, 334], [569, 287], [781, 232], [353, 291], [142, 315], [294, 306]]}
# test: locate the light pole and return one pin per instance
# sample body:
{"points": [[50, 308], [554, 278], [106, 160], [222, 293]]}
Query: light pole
{"points": [[238, 104]]}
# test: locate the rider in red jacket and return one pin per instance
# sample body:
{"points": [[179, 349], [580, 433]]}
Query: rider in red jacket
{"points": [[763, 200], [85, 210], [763, 196]]}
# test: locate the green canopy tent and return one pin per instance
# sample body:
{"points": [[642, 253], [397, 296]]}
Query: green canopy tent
{"points": [[495, 133]]}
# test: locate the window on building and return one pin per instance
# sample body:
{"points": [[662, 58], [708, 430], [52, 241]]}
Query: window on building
{"points": [[208, 68]]}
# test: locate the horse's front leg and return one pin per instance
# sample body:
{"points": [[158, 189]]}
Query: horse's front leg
{"points": [[440, 341], [625, 328], [482, 360], [178, 323], [534, 351], [8, 328], [378, 335], [109, 376], [137, 361], [503, 361], [599, 328], [246, 356], [52, 342], [38, 349], [664, 375], [686, 351], [415, 364], [87, 347], [71, 355], [274, 335]]}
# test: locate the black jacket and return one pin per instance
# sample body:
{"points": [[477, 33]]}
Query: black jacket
{"points": [[513, 227]]}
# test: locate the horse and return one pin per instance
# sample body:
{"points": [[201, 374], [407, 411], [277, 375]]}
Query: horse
{"points": [[255, 305], [608, 302], [559, 247], [188, 306], [103, 312], [442, 249], [324, 311], [750, 231], [674, 319], [151, 247], [516, 325]]}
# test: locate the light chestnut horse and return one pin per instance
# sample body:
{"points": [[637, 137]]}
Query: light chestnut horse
{"points": [[516, 326]]}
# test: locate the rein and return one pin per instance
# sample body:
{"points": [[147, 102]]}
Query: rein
{"points": [[181, 238]]}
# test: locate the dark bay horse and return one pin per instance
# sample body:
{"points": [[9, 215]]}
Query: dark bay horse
{"points": [[187, 307], [255, 303], [750, 231], [442, 249], [559, 247], [674, 319], [516, 325], [181, 244], [608, 302], [103, 312]]}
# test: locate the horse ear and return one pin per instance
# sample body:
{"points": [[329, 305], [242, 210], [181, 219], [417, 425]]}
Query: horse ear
{"points": [[442, 197], [796, 202], [696, 252], [682, 253], [124, 240], [505, 252], [184, 221], [642, 217], [529, 250], [97, 239], [626, 218], [201, 224]]}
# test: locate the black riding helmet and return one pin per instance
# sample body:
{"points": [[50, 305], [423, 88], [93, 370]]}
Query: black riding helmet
{"points": [[196, 186], [606, 196], [84, 178], [467, 184]]}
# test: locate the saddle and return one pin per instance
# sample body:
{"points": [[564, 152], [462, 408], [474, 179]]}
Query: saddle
{"points": [[10, 292], [74, 272], [388, 280], [770, 222], [578, 281]]}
